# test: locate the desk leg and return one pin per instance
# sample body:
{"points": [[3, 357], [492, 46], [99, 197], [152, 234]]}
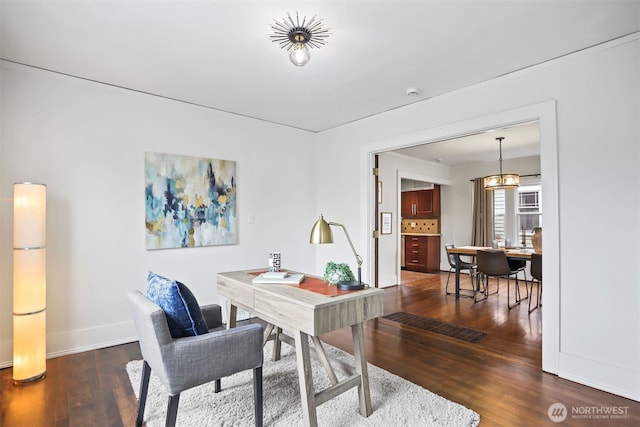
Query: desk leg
{"points": [[305, 378], [322, 355], [267, 333], [277, 344], [277, 341], [361, 368], [232, 315]]}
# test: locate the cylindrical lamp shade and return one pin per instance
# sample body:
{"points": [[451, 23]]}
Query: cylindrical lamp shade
{"points": [[29, 281], [29, 347], [29, 215]]}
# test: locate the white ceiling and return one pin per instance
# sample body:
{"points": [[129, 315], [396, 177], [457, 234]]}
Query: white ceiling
{"points": [[519, 141], [217, 54]]}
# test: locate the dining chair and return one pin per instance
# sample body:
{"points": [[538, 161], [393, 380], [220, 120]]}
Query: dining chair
{"points": [[186, 362], [536, 275], [464, 265], [517, 266], [494, 263]]}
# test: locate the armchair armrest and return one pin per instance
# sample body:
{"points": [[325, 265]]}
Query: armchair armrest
{"points": [[212, 314], [212, 356]]}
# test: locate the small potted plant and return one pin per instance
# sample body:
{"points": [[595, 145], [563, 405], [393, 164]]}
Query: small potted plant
{"points": [[334, 273]]}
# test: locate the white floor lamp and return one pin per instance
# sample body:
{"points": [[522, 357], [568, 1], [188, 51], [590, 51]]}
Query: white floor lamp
{"points": [[29, 281]]}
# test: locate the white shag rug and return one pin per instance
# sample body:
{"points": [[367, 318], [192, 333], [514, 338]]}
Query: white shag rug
{"points": [[395, 401]]}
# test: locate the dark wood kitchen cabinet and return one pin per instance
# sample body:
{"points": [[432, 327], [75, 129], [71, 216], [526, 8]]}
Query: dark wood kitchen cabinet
{"points": [[422, 253], [420, 203]]}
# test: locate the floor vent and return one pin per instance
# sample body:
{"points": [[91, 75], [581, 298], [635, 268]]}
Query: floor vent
{"points": [[437, 326]]}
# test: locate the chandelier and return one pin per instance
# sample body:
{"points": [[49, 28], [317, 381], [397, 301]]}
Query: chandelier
{"points": [[296, 37], [503, 180]]}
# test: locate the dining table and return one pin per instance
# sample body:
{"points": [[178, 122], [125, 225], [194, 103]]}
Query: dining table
{"points": [[511, 252]]}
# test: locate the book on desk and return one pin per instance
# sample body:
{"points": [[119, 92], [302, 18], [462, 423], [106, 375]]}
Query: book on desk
{"points": [[279, 277]]}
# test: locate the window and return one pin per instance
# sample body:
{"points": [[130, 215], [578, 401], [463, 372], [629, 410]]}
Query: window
{"points": [[516, 213], [499, 213], [529, 210]]}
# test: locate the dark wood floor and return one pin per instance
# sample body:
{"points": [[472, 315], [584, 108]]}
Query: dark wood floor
{"points": [[499, 377]]}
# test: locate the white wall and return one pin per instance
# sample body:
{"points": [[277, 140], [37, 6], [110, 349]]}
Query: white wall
{"points": [[392, 168], [595, 308], [86, 142]]}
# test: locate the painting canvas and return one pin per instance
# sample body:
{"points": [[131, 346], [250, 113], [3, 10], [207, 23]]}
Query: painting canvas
{"points": [[190, 201]]}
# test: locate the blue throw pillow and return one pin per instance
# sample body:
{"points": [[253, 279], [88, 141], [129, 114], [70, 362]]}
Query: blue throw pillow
{"points": [[179, 305]]}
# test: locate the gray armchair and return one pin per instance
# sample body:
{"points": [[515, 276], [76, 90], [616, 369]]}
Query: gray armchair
{"points": [[183, 363]]}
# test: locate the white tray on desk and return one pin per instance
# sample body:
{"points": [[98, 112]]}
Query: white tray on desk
{"points": [[287, 278]]}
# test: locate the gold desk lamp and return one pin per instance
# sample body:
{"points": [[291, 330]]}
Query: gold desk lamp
{"points": [[321, 233]]}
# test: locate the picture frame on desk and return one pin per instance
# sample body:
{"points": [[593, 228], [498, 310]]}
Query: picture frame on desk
{"points": [[385, 222]]}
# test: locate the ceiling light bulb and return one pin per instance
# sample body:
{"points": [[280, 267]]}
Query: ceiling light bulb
{"points": [[300, 54]]}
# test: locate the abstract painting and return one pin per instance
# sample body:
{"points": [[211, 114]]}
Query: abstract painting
{"points": [[190, 201]]}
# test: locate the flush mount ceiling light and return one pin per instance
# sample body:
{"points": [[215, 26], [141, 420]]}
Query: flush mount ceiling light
{"points": [[296, 37], [413, 91], [503, 180]]}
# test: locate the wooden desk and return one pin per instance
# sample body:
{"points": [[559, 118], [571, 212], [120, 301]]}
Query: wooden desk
{"points": [[513, 253], [308, 314]]}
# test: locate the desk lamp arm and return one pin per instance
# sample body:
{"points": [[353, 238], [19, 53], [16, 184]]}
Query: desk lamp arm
{"points": [[358, 257]]}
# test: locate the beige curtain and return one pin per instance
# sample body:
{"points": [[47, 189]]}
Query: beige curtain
{"points": [[482, 230]]}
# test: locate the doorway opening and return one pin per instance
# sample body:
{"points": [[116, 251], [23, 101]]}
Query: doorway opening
{"points": [[544, 117]]}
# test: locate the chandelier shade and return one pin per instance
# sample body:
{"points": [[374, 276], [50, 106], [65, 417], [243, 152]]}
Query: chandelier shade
{"points": [[503, 181]]}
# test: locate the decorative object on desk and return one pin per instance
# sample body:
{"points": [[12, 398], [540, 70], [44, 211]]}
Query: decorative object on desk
{"points": [[321, 233], [336, 273], [395, 400], [503, 180], [275, 274], [279, 277], [190, 201], [295, 36], [29, 281], [275, 261], [536, 239]]}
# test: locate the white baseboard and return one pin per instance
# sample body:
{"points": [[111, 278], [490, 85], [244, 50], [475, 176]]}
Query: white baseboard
{"points": [[77, 341], [612, 379]]}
